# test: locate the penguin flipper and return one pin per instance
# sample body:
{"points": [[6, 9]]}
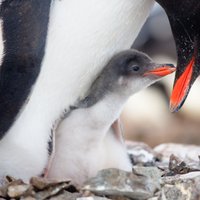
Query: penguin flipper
{"points": [[24, 30]]}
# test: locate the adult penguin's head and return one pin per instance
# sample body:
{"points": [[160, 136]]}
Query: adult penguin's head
{"points": [[184, 17]]}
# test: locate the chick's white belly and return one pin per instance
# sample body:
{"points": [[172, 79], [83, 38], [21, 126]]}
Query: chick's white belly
{"points": [[82, 149]]}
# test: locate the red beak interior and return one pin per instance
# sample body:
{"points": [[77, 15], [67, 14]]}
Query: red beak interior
{"points": [[162, 70], [181, 87]]}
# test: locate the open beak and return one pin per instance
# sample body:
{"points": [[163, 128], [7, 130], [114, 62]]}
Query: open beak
{"points": [[161, 70]]}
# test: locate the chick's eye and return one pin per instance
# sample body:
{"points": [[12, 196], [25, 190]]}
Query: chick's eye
{"points": [[135, 68]]}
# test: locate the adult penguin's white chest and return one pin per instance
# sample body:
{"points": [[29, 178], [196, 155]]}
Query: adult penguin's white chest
{"points": [[82, 36]]}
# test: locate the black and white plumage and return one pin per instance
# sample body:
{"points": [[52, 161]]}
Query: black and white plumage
{"points": [[58, 47], [95, 144], [184, 20], [24, 38]]}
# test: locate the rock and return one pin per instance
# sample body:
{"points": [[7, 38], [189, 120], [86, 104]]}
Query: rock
{"points": [[92, 198], [14, 188], [181, 187], [177, 166], [169, 192], [153, 198], [28, 198], [66, 196], [153, 173], [187, 157], [187, 153], [38, 188], [141, 154], [42, 183], [51, 191], [3, 191], [178, 180], [15, 191], [185, 177], [115, 182]]}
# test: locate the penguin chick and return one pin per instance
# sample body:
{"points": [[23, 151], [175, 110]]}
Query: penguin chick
{"points": [[86, 141]]}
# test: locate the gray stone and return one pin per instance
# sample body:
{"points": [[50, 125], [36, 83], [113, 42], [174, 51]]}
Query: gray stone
{"points": [[141, 154], [153, 173], [28, 198], [15, 191], [42, 183], [114, 182], [66, 196], [92, 198], [51, 191], [181, 187], [153, 198], [187, 153]]}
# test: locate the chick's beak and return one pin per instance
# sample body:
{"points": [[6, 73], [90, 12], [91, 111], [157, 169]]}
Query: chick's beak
{"points": [[161, 70]]}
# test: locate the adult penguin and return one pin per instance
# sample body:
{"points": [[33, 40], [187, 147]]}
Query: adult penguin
{"points": [[184, 17], [52, 51]]}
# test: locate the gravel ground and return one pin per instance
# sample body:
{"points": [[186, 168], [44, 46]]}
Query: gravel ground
{"points": [[167, 172]]}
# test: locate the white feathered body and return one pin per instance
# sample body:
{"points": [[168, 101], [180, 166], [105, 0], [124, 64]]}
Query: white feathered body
{"points": [[94, 145], [82, 36]]}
